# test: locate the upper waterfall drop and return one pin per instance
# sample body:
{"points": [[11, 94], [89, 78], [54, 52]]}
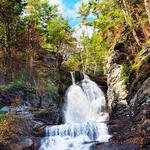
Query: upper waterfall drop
{"points": [[76, 100], [89, 96], [85, 118]]}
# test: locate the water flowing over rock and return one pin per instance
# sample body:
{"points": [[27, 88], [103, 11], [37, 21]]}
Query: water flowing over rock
{"points": [[85, 119]]}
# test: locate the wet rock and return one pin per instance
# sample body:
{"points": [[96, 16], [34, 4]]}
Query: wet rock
{"points": [[39, 131], [30, 98], [101, 81], [49, 116], [25, 103], [18, 143], [141, 98], [5, 109], [116, 146], [26, 143], [146, 124], [32, 120], [36, 143], [78, 76], [118, 126], [146, 143]]}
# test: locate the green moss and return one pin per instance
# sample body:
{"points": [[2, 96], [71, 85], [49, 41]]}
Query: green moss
{"points": [[125, 72], [139, 61], [136, 66], [17, 84], [99, 71], [2, 115], [39, 114], [147, 58], [141, 73], [52, 88], [21, 82], [141, 77]]}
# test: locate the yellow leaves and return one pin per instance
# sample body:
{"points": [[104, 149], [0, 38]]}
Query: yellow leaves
{"points": [[84, 10], [85, 22], [74, 64], [8, 127], [118, 32]]}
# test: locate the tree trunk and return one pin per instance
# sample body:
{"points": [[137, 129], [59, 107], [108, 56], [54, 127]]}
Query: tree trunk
{"points": [[127, 16], [145, 31], [8, 38], [8, 59], [147, 9]]}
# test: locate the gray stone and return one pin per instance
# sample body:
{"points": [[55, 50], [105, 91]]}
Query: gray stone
{"points": [[117, 92], [5, 109]]}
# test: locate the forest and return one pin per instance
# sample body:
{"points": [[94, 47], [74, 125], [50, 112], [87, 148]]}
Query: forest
{"points": [[42, 54]]}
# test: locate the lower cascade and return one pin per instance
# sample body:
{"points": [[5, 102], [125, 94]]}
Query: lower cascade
{"points": [[85, 119]]}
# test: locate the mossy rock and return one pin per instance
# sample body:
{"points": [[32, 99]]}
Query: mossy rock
{"points": [[2, 115]]}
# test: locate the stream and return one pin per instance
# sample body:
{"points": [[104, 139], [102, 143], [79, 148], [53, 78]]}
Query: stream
{"points": [[85, 118]]}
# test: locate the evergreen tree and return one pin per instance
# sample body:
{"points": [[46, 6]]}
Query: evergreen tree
{"points": [[10, 22]]}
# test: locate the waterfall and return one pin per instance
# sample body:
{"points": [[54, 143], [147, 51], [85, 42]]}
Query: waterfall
{"points": [[72, 77], [85, 119]]}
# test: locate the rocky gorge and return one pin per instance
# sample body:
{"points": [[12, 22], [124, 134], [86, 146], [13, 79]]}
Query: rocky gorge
{"points": [[74, 75], [128, 106]]}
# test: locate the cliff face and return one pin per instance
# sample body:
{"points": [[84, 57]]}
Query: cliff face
{"points": [[129, 103], [29, 97], [141, 99], [117, 90]]}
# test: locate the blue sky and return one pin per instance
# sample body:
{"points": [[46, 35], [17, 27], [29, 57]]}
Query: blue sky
{"points": [[69, 9], [72, 5]]}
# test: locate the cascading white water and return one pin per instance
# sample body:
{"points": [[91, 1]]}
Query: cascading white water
{"points": [[85, 119], [72, 78]]}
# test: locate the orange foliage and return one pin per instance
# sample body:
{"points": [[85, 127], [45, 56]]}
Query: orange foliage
{"points": [[136, 140], [9, 127], [118, 31], [31, 35], [38, 37], [16, 54]]}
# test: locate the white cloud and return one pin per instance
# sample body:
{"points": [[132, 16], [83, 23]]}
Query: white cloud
{"points": [[67, 12], [72, 14], [80, 30], [59, 3]]}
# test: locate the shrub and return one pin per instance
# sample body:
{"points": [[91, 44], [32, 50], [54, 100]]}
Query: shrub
{"points": [[52, 88], [8, 127]]}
